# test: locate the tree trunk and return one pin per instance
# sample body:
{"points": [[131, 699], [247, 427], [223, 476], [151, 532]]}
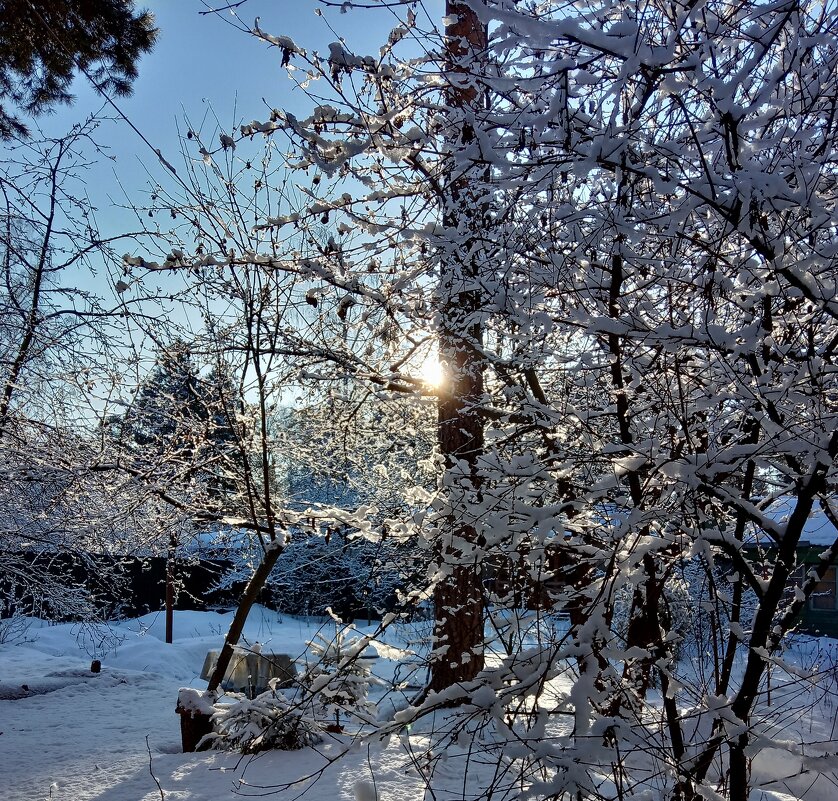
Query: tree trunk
{"points": [[195, 724], [458, 631], [249, 596], [739, 789]]}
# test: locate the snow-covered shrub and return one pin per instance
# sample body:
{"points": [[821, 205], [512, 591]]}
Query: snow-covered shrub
{"points": [[337, 680], [269, 721]]}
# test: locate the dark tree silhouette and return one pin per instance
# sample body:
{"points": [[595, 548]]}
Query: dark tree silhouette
{"points": [[45, 43]]}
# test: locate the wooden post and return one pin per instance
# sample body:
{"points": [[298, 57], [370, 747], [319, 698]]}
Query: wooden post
{"points": [[170, 589]]}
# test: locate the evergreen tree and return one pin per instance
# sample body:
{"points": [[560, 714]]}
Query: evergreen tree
{"points": [[182, 424], [338, 679], [44, 43], [179, 436]]}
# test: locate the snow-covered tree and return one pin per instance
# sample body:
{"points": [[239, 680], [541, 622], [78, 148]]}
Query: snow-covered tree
{"points": [[178, 433], [337, 679], [180, 426], [267, 722], [59, 344], [615, 224]]}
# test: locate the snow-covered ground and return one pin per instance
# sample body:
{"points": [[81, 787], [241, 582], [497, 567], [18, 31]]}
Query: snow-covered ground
{"points": [[70, 735]]}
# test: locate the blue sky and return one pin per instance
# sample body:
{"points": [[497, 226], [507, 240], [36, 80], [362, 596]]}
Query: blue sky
{"points": [[200, 66]]}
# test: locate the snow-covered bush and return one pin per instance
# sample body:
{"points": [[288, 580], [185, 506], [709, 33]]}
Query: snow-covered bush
{"points": [[338, 680], [269, 721]]}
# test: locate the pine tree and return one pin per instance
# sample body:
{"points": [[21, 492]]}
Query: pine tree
{"points": [[338, 680], [45, 43], [182, 424], [179, 434]]}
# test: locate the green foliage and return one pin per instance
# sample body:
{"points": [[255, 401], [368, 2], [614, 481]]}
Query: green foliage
{"points": [[43, 43]]}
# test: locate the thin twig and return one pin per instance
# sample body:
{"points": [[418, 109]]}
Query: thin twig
{"points": [[372, 775], [151, 770]]}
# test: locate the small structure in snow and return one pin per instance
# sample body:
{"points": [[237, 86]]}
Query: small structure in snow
{"points": [[251, 671]]}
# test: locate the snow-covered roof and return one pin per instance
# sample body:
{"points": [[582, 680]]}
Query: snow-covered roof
{"points": [[818, 529]]}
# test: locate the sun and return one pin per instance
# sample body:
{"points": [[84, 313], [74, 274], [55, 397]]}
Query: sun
{"points": [[431, 371]]}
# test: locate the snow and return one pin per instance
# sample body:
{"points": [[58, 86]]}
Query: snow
{"points": [[191, 700], [817, 530], [79, 736], [73, 735]]}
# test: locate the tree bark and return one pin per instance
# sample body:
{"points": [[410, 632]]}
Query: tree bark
{"points": [[458, 630], [249, 596]]}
